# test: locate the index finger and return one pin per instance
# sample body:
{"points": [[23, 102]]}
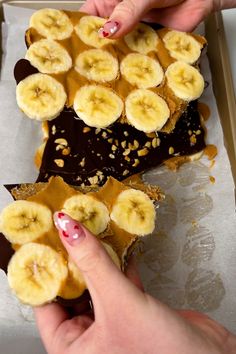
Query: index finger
{"points": [[89, 7]]}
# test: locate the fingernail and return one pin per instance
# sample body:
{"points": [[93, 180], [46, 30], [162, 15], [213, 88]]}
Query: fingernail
{"points": [[68, 228], [109, 28]]}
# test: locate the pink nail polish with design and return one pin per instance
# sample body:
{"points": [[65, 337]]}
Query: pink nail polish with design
{"points": [[109, 28], [68, 228]]}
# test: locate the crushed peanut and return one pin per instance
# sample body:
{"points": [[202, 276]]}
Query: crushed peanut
{"points": [[143, 152], [59, 162]]}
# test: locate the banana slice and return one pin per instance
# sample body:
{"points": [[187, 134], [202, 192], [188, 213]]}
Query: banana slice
{"points": [[143, 39], [36, 273], [112, 254], [89, 211], [97, 106], [51, 23], [134, 212], [23, 221], [49, 57], [97, 65], [182, 46], [146, 111], [141, 71], [185, 81], [40, 97], [87, 30], [75, 284]]}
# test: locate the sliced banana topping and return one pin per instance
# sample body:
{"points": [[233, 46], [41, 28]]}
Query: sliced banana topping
{"points": [[134, 212], [97, 106], [36, 273], [89, 211], [141, 71], [142, 39], [146, 111], [40, 97], [182, 46], [51, 23], [49, 57], [112, 254], [24, 221], [87, 30], [185, 81], [97, 65]]}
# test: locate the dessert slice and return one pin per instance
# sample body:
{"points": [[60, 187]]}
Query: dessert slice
{"points": [[145, 79], [39, 271]]}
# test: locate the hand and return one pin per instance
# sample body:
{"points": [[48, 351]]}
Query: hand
{"points": [[177, 14], [126, 319]]}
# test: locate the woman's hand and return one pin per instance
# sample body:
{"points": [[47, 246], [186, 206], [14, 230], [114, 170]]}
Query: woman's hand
{"points": [[183, 15], [126, 319]]}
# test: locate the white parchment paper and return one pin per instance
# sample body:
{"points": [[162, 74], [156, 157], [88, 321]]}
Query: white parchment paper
{"points": [[190, 260]]}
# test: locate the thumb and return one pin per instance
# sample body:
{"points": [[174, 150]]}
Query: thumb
{"points": [[124, 17], [103, 278]]}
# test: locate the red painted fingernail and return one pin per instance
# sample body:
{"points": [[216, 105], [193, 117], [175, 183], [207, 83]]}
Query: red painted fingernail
{"points": [[109, 28], [68, 228]]}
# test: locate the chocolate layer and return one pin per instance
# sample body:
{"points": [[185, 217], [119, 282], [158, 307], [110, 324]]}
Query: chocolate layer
{"points": [[120, 151], [6, 252]]}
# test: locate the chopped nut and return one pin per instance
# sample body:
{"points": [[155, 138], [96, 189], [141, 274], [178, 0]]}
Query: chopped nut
{"points": [[126, 172], [190, 132], [126, 133], [93, 180], [54, 129], [123, 144], [111, 156], [126, 152], [82, 162], [133, 146], [109, 131], [171, 150], [127, 158], [155, 142], [198, 132], [193, 139], [100, 175], [66, 151], [116, 142], [59, 162], [136, 144], [78, 178], [59, 147], [143, 152], [61, 141], [110, 140], [148, 144], [114, 148], [98, 154], [86, 129], [104, 135], [151, 135], [136, 162], [97, 130]]}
